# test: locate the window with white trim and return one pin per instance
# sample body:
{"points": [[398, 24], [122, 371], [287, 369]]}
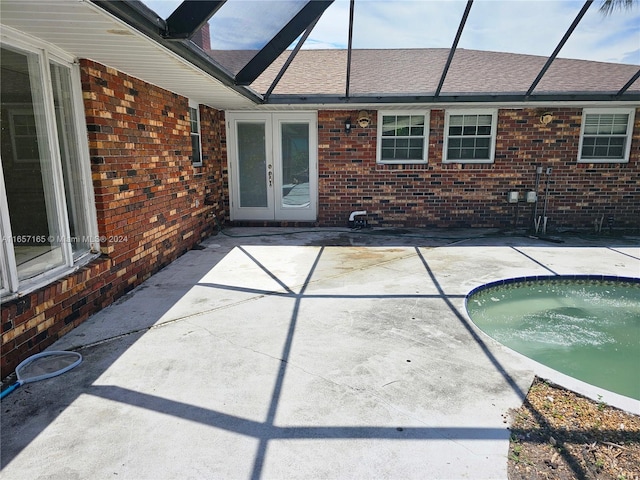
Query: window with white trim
{"points": [[470, 136], [196, 145], [605, 135], [47, 209], [403, 137]]}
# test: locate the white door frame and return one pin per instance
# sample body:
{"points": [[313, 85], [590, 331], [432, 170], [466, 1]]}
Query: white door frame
{"points": [[275, 209]]}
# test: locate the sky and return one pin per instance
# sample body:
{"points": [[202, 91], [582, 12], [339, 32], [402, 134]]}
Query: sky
{"points": [[518, 26]]}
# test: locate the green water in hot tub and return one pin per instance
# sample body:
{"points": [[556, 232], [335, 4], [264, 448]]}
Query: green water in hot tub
{"points": [[588, 329]]}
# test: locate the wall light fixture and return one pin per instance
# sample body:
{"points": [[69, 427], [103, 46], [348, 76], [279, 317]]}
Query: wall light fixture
{"points": [[347, 125]]}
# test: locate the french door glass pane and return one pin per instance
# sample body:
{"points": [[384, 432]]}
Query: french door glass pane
{"points": [[67, 135], [252, 164], [295, 165], [27, 166]]}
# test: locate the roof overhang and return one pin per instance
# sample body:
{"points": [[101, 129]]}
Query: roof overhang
{"points": [[125, 35]]}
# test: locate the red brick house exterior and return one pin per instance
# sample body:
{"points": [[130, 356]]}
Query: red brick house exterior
{"points": [[440, 194], [152, 205]]}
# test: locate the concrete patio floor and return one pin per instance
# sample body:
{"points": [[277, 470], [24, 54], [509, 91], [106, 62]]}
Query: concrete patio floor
{"points": [[319, 355]]}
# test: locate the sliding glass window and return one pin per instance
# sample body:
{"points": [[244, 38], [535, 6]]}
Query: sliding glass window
{"points": [[46, 201]]}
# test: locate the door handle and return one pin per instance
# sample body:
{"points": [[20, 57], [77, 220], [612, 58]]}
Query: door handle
{"points": [[270, 178]]}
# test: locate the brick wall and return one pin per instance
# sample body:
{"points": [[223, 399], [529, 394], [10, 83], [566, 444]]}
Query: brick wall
{"points": [[152, 205], [214, 158], [464, 195]]}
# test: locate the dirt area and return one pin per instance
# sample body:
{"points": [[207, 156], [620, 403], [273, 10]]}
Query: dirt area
{"points": [[560, 435]]}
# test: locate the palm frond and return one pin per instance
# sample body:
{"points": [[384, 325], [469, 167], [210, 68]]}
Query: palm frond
{"points": [[609, 6]]}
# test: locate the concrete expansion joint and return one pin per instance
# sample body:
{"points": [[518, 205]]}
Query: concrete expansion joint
{"points": [[164, 324], [238, 345]]}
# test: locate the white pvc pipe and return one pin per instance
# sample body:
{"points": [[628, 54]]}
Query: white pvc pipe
{"points": [[356, 213]]}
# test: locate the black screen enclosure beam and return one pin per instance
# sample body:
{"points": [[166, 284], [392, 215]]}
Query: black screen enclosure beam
{"points": [[352, 4], [628, 84], [452, 98], [290, 59], [281, 41], [555, 53], [454, 46], [189, 17]]}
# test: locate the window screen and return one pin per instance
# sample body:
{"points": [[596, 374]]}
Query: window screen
{"points": [[402, 138]]}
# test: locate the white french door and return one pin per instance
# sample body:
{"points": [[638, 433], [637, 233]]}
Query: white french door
{"points": [[273, 165]]}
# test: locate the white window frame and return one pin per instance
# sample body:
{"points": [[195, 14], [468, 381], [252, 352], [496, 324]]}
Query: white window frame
{"points": [[628, 136], [8, 276], [196, 107], [12, 286], [13, 113], [425, 136], [492, 143]]}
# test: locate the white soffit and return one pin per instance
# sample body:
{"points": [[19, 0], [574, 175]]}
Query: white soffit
{"points": [[85, 31]]}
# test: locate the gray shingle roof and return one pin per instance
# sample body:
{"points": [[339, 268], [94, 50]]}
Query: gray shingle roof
{"points": [[418, 71]]}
